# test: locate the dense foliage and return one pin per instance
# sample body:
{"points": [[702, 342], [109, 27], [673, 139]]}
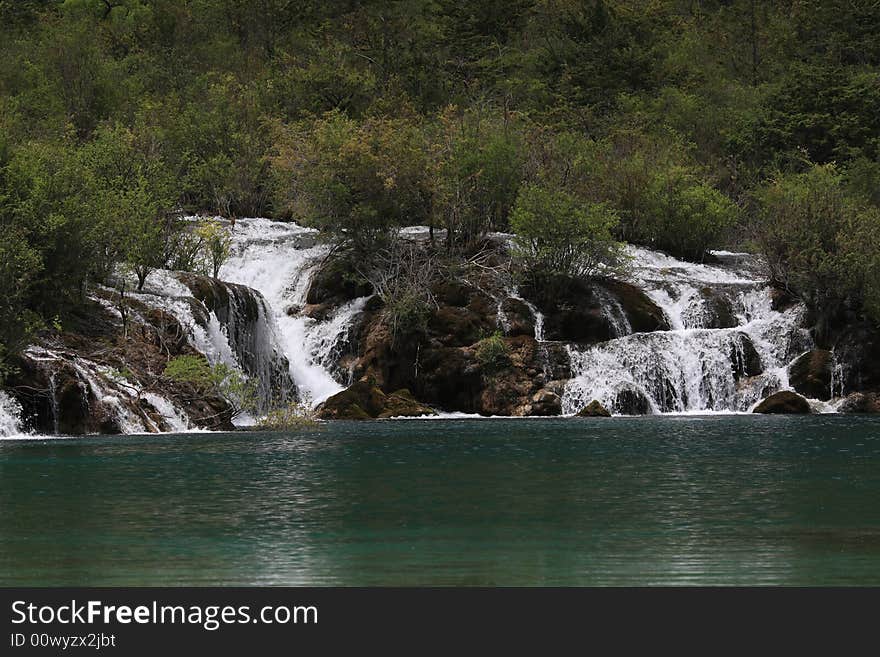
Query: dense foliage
{"points": [[695, 124]]}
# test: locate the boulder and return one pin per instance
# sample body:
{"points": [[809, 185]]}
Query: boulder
{"points": [[784, 402], [360, 401], [643, 314], [575, 311], [545, 403], [810, 374], [364, 401], [520, 319], [860, 402], [631, 402], [594, 409], [401, 403], [718, 311]]}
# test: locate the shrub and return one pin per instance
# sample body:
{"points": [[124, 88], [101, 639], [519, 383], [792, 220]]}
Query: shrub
{"points": [[689, 216], [216, 244], [296, 415], [491, 352], [479, 164], [218, 379], [797, 227], [558, 235]]}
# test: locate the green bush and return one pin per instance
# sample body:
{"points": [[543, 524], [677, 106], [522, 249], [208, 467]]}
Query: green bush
{"points": [[492, 353], [689, 216], [797, 226], [296, 415], [479, 165], [358, 181], [559, 235], [218, 379]]}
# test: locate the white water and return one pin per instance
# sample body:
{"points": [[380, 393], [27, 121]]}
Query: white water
{"points": [[10, 416], [279, 259], [690, 368], [118, 397], [244, 343]]}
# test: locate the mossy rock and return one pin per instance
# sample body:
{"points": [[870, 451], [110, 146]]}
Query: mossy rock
{"points": [[364, 401], [401, 403], [594, 409], [360, 401]]}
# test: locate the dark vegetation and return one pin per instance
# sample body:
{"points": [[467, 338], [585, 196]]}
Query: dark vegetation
{"points": [[683, 125]]}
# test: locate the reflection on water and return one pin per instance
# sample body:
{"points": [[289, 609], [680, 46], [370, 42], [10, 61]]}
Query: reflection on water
{"points": [[688, 500]]}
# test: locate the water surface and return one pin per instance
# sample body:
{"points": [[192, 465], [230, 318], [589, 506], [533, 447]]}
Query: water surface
{"points": [[654, 500]]}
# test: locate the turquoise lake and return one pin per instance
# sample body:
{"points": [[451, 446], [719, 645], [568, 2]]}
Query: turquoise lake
{"points": [[691, 500]]}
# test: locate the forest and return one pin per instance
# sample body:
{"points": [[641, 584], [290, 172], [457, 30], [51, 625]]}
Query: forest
{"points": [[578, 125]]}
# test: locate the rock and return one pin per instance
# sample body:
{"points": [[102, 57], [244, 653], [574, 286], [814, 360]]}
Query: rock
{"points": [[546, 403], [520, 319], [457, 327], [593, 409], [401, 403], [745, 359], [631, 402], [857, 357], [718, 309], [360, 401], [364, 401], [860, 402], [318, 311], [810, 374], [781, 299], [575, 312], [784, 402], [336, 283], [452, 292], [643, 314]]}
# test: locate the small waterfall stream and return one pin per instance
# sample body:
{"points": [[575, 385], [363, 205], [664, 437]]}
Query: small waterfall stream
{"points": [[278, 260], [727, 348], [10, 416]]}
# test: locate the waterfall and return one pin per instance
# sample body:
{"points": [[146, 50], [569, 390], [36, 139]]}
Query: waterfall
{"points": [[229, 324], [10, 416], [278, 259], [727, 348], [105, 402]]}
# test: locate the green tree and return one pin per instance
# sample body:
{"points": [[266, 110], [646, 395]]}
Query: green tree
{"points": [[558, 236], [356, 180], [800, 216], [217, 243]]}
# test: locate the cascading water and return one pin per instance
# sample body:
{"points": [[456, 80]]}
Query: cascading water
{"points": [[117, 399], [278, 259], [232, 324], [10, 416], [727, 348]]}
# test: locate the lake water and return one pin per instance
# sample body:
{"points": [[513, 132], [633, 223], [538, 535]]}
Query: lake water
{"points": [[655, 500]]}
